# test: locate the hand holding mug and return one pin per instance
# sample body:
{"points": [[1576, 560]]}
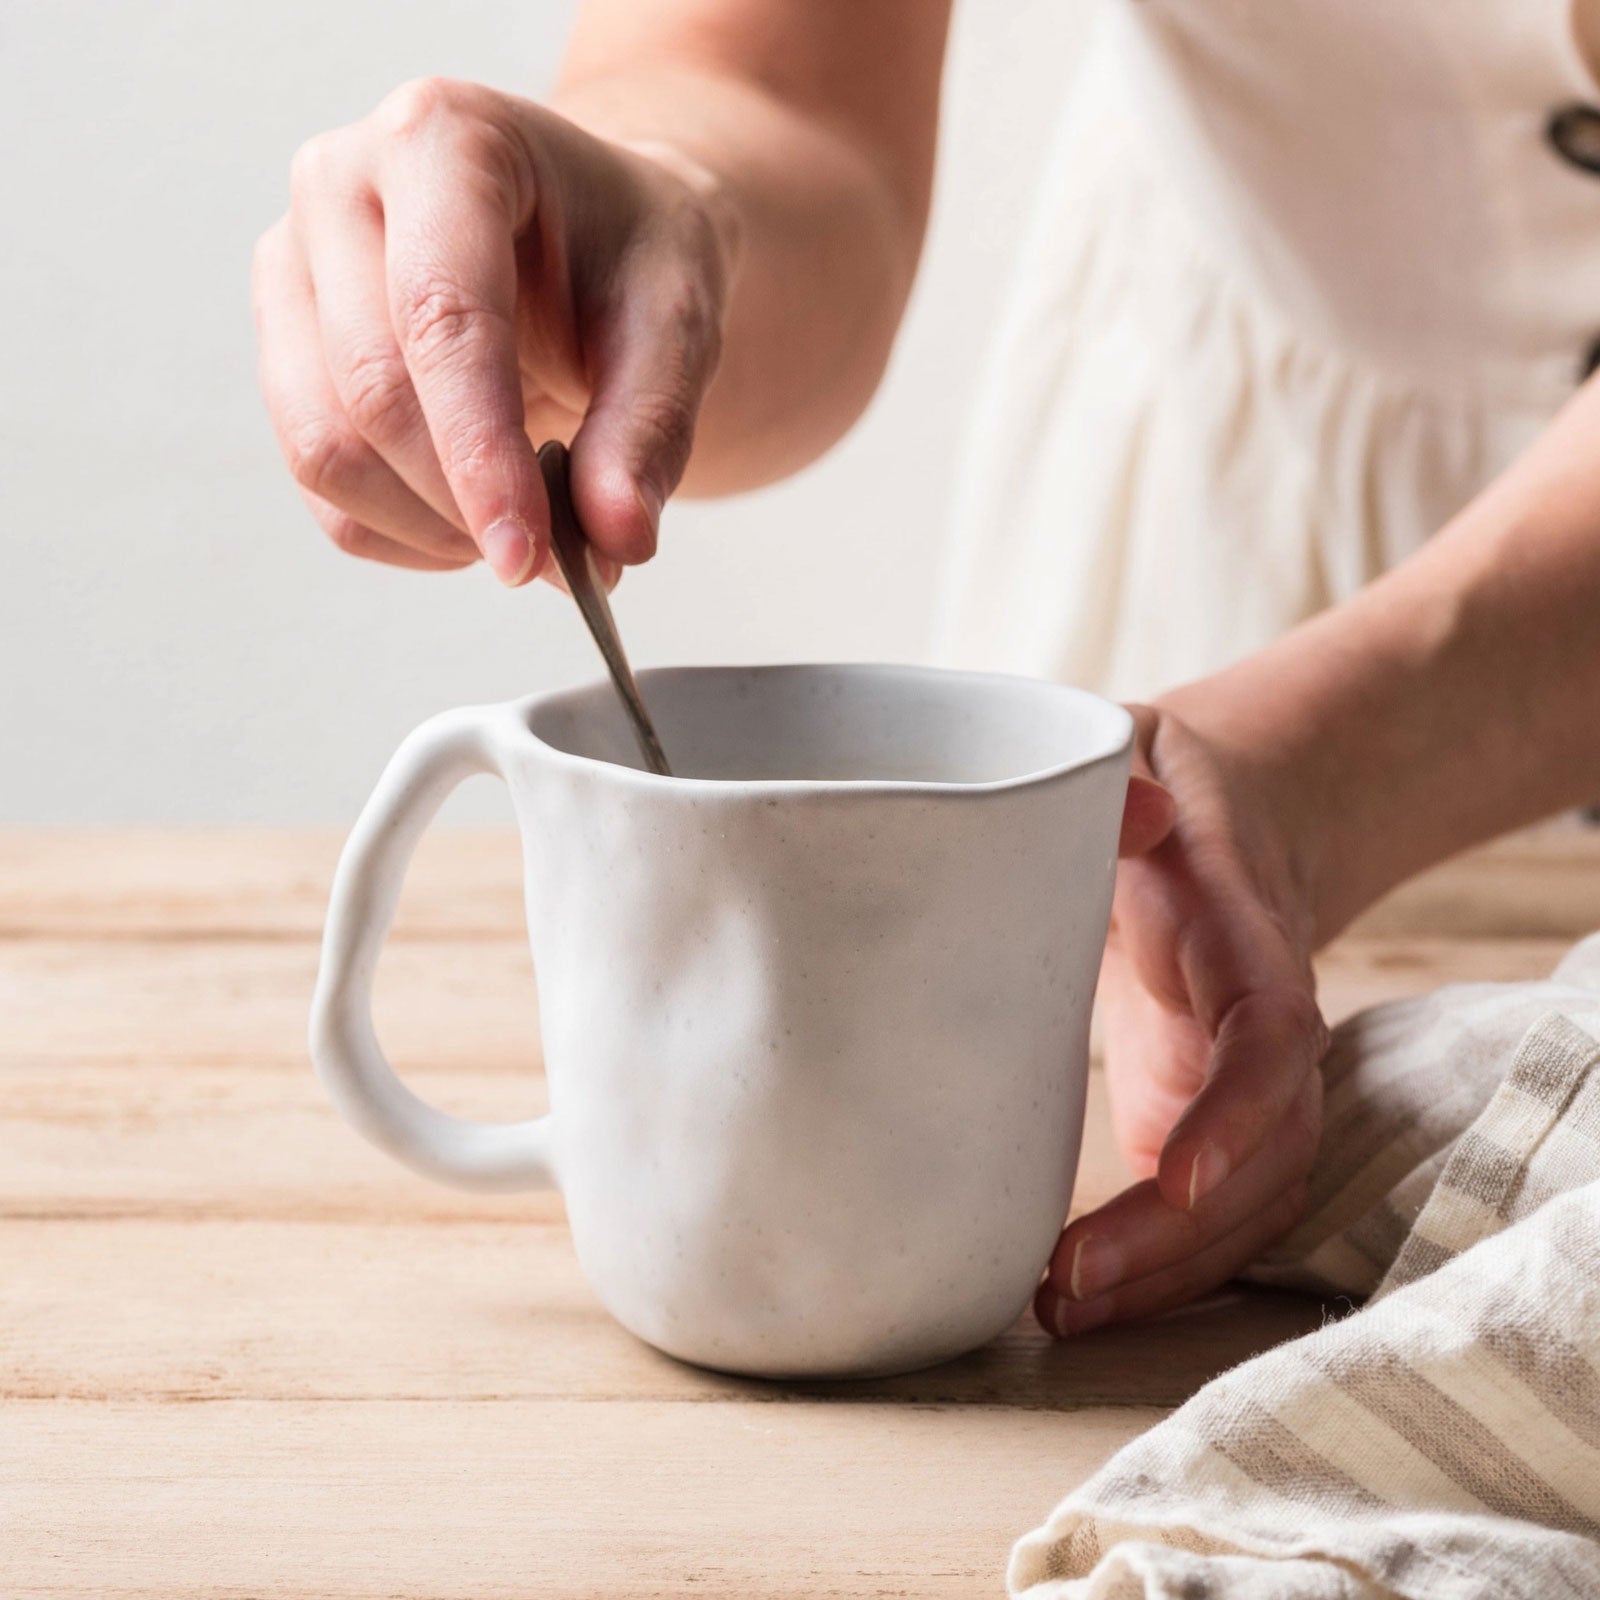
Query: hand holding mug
{"points": [[1212, 1034]]}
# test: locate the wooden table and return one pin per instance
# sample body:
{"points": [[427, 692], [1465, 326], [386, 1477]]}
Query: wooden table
{"points": [[242, 1354]]}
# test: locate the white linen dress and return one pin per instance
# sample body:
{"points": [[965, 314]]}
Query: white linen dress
{"points": [[1303, 275]]}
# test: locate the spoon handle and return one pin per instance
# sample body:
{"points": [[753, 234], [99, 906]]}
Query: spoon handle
{"points": [[575, 559]]}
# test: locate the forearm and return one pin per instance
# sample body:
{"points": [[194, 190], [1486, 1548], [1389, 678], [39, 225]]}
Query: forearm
{"points": [[822, 209], [1453, 699]]}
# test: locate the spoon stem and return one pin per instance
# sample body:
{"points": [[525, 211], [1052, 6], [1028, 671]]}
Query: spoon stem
{"points": [[575, 559]]}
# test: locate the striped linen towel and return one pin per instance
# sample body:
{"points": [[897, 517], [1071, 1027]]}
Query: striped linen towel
{"points": [[1444, 1442]]}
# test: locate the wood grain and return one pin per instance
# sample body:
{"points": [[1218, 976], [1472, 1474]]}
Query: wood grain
{"points": [[466, 883], [229, 1140], [256, 883], [243, 1142], [439, 1005], [1543, 883], [475, 1312], [150, 1078], [448, 1005], [1358, 972], [241, 1353], [506, 1499]]}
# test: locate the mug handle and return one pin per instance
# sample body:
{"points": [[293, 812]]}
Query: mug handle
{"points": [[366, 887]]}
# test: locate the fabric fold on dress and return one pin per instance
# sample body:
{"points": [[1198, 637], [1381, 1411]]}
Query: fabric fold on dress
{"points": [[1257, 350], [1443, 1443]]}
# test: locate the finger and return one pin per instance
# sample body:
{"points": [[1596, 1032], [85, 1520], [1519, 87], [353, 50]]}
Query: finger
{"points": [[339, 220], [653, 353], [1207, 946], [356, 539], [1148, 814], [328, 458], [1155, 1058], [451, 220], [1266, 1049], [551, 419], [1172, 1286], [1139, 1233], [608, 571]]}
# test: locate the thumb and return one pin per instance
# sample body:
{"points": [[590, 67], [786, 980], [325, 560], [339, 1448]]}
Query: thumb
{"points": [[1149, 811], [1148, 815], [652, 359]]}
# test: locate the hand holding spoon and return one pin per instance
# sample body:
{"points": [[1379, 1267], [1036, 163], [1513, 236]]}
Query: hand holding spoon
{"points": [[575, 559]]}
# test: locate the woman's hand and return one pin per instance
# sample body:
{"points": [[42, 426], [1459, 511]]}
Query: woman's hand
{"points": [[1449, 701], [1212, 1035], [461, 275]]}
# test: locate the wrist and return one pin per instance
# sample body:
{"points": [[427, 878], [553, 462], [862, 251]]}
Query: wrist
{"points": [[1323, 732], [1449, 701], [1272, 793], [1360, 729]]}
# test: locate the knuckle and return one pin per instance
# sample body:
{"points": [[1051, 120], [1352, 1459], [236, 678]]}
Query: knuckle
{"points": [[376, 390], [1285, 1010], [1298, 1136], [469, 451], [309, 166], [265, 260], [323, 458], [347, 535], [418, 103], [662, 422], [433, 316], [663, 412], [1298, 1141], [689, 309], [269, 247], [689, 271], [1304, 1015]]}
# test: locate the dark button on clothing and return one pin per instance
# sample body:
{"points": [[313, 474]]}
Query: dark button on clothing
{"points": [[1574, 132]]}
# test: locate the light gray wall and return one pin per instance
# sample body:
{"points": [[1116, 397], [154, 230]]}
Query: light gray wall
{"points": [[177, 642]]}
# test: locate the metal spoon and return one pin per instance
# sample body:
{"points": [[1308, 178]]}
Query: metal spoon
{"points": [[575, 557]]}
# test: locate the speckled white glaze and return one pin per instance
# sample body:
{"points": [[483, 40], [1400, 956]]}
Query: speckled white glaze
{"points": [[815, 1013]]}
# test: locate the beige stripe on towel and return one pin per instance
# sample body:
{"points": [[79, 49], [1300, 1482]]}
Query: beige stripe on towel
{"points": [[1444, 1442]]}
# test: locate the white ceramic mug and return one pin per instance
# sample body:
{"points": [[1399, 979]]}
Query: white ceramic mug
{"points": [[815, 1013]]}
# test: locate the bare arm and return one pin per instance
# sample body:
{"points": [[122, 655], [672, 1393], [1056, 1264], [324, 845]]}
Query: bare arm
{"points": [[815, 123], [1452, 699]]}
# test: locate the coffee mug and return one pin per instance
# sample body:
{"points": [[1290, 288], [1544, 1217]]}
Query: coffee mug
{"points": [[815, 1010]]}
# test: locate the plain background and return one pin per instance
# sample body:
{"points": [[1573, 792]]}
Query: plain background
{"points": [[178, 643]]}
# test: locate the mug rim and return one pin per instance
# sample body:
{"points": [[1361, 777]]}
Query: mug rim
{"points": [[522, 710]]}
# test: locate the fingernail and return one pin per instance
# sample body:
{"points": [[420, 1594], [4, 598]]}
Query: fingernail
{"points": [[649, 502], [1209, 1169], [1079, 1316], [508, 550], [1096, 1267]]}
